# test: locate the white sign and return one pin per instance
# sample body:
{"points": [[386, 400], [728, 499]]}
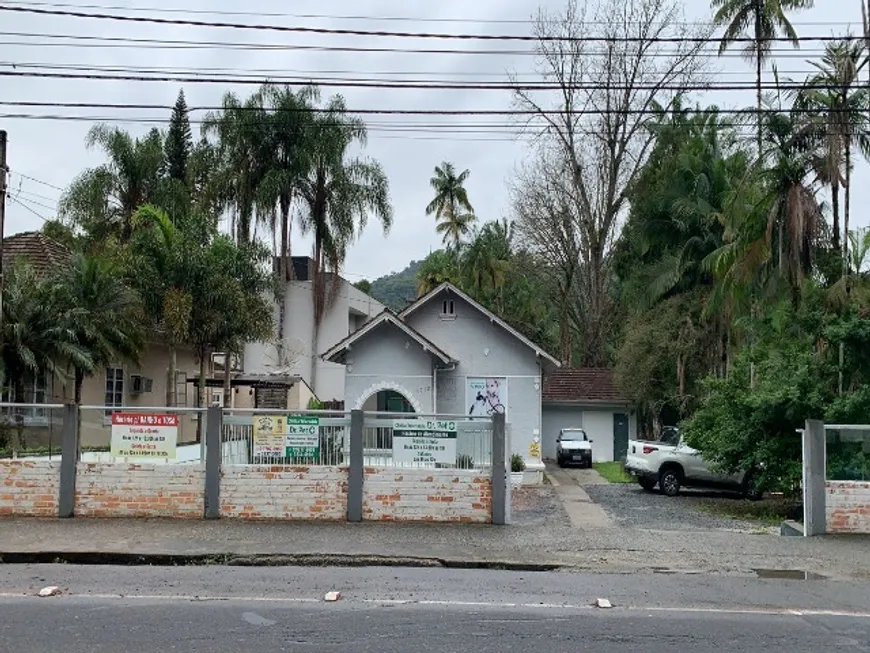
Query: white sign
{"points": [[270, 434], [144, 435], [484, 397], [424, 442]]}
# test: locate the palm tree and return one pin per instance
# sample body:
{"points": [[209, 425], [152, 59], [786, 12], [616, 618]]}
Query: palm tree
{"points": [[838, 119], [763, 20], [488, 260], [105, 313], [36, 334], [455, 228], [102, 200], [161, 269], [437, 268], [337, 195], [451, 207]]}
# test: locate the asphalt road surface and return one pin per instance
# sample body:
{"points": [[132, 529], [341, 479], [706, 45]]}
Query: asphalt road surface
{"points": [[385, 610]]}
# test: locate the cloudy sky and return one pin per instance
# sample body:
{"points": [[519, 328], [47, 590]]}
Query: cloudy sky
{"points": [[45, 155]]}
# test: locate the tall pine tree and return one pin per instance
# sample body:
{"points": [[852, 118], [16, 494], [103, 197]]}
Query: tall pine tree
{"points": [[179, 141]]}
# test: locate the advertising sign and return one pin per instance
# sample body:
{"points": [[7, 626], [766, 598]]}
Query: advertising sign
{"points": [[424, 442], [144, 435], [303, 437], [484, 397], [270, 435]]}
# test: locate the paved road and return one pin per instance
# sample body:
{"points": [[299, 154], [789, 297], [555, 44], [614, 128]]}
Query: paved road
{"points": [[223, 609]]}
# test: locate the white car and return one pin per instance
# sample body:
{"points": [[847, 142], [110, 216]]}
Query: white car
{"points": [[573, 448]]}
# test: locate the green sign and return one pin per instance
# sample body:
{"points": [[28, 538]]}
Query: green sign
{"points": [[303, 437]]}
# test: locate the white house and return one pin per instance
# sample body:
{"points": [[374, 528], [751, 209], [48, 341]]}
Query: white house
{"points": [[348, 311]]}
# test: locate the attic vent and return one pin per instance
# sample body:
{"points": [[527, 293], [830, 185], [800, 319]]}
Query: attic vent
{"points": [[448, 309]]}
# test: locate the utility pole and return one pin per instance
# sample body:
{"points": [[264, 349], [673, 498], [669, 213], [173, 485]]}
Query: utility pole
{"points": [[3, 170]]}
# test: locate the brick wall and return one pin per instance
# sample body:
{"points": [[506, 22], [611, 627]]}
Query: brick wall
{"points": [[29, 488], [128, 490], [848, 507], [423, 495], [284, 492]]}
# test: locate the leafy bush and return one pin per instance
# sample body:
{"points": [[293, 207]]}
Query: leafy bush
{"points": [[518, 463]]}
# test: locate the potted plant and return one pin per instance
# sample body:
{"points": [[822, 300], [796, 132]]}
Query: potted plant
{"points": [[518, 466]]}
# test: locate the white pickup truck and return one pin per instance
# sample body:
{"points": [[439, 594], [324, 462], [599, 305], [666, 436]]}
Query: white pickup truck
{"points": [[671, 464]]}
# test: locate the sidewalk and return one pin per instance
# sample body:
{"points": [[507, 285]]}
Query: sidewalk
{"points": [[542, 537]]}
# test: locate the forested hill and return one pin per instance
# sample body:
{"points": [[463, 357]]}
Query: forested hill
{"points": [[394, 290]]}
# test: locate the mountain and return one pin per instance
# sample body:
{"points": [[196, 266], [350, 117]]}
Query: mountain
{"points": [[397, 289]]}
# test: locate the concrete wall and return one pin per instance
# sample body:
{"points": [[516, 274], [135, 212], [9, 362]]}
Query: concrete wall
{"points": [[484, 349], [29, 489], [387, 359], [848, 506], [350, 309], [126, 490], [449, 495], [279, 492]]}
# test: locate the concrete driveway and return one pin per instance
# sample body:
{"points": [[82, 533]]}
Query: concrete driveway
{"points": [[581, 509]]}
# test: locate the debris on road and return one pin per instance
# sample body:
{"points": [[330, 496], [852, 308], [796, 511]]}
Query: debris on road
{"points": [[49, 591], [603, 603], [332, 596]]}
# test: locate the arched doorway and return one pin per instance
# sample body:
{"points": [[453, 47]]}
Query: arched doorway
{"points": [[388, 401], [385, 398]]}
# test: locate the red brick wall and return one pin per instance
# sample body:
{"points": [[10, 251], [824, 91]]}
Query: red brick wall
{"points": [[128, 490], [284, 492], [424, 495], [848, 507], [29, 488]]}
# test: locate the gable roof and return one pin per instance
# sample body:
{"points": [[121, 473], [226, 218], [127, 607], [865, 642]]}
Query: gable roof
{"points": [[337, 353], [43, 253], [582, 385], [449, 287]]}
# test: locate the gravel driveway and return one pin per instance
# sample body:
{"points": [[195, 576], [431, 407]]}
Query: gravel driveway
{"points": [[633, 507]]}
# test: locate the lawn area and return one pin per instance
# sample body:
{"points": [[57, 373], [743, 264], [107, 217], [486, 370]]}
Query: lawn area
{"points": [[772, 510], [613, 472]]}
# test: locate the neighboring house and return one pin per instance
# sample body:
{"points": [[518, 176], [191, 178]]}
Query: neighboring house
{"points": [[127, 384], [587, 399], [348, 311], [447, 354]]}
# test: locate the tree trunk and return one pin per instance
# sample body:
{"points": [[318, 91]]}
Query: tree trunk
{"points": [[77, 399], [171, 373], [758, 74], [228, 376], [18, 437], [835, 206], [318, 300], [847, 211], [200, 385]]}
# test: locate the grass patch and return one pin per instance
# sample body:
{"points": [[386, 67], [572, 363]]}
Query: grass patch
{"points": [[613, 472], [769, 511]]}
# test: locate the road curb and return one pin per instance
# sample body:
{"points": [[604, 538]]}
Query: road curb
{"points": [[263, 560]]}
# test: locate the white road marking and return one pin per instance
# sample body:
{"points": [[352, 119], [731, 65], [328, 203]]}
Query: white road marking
{"points": [[780, 612]]}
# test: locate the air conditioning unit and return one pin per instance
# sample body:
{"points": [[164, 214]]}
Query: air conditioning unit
{"points": [[140, 384]]}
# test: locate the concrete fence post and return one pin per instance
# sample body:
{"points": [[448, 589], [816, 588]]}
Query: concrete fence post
{"points": [[213, 453], [814, 476], [501, 482], [356, 471], [69, 458]]}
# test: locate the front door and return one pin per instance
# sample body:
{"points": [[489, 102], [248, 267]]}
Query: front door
{"points": [[620, 436]]}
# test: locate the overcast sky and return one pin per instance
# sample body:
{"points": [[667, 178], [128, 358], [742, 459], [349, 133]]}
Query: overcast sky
{"points": [[54, 152]]}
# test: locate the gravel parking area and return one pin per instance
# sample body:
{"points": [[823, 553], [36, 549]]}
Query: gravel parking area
{"points": [[631, 506]]}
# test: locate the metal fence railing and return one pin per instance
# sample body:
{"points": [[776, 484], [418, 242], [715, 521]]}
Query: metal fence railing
{"points": [[32, 431], [421, 441], [847, 452], [305, 438]]}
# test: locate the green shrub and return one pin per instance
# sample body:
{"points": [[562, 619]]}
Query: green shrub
{"points": [[464, 461], [518, 463]]}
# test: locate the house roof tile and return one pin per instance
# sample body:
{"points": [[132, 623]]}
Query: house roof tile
{"points": [[42, 252], [582, 385]]}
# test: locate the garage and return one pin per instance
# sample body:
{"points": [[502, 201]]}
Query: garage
{"points": [[589, 399]]}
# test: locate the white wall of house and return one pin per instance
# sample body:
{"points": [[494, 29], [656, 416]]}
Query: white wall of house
{"points": [[597, 421], [350, 309], [484, 349]]}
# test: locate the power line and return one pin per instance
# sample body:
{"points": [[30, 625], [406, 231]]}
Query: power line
{"points": [[392, 34], [24, 206], [262, 14], [407, 85], [186, 44], [34, 179]]}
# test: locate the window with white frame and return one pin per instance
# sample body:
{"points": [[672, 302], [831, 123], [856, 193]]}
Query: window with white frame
{"points": [[34, 392], [114, 388]]}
